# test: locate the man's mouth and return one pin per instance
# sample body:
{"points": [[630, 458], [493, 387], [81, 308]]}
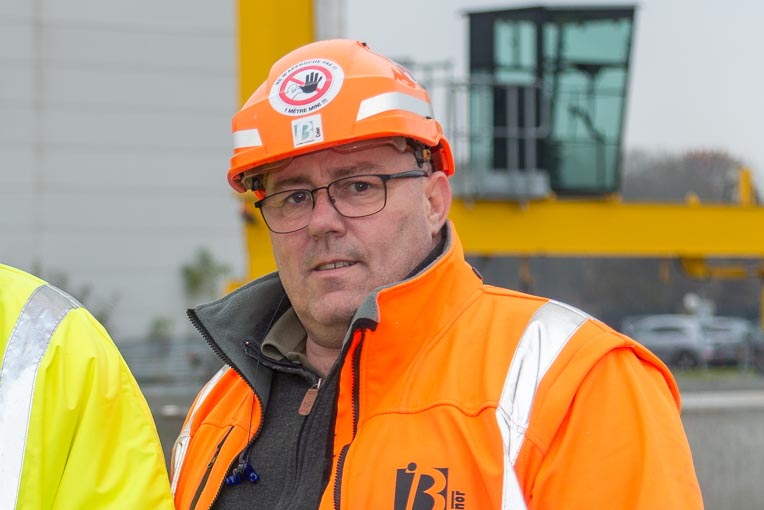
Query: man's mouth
{"points": [[334, 265]]}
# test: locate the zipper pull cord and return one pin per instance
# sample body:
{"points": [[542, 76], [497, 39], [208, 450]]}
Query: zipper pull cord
{"points": [[244, 470]]}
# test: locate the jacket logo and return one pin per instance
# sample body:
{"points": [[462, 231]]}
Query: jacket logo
{"points": [[425, 489]]}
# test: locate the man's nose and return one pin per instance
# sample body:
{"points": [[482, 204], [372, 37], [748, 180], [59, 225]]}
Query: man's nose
{"points": [[324, 217]]}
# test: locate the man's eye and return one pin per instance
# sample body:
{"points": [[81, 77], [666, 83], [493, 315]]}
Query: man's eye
{"points": [[359, 186], [355, 186], [297, 198]]}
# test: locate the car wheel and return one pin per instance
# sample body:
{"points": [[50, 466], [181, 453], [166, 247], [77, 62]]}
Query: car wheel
{"points": [[685, 360]]}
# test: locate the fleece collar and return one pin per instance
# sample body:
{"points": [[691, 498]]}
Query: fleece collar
{"points": [[248, 313]]}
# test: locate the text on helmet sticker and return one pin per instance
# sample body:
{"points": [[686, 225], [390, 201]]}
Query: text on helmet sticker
{"points": [[307, 130], [306, 87]]}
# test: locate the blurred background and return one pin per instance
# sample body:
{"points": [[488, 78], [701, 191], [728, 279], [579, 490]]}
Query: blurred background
{"points": [[608, 155]]}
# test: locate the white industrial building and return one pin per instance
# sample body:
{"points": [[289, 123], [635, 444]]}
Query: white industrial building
{"points": [[114, 143]]}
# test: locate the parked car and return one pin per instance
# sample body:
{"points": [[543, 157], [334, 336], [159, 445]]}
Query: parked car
{"points": [[730, 339], [689, 341], [757, 348]]}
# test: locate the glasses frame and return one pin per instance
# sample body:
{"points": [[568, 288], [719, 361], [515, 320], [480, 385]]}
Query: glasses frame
{"points": [[409, 174], [252, 179]]}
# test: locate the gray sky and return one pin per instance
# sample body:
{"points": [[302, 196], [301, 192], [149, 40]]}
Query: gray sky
{"points": [[698, 78], [697, 72]]}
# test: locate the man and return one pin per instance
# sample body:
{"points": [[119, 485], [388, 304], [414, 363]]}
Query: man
{"points": [[375, 369], [76, 431]]}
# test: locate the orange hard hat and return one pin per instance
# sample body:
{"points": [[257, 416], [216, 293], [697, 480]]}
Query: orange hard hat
{"points": [[332, 93]]}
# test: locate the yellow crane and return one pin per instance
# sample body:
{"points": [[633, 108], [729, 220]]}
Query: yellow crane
{"points": [[554, 153]]}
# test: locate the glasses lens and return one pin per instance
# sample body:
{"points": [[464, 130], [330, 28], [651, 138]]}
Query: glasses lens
{"points": [[287, 211], [360, 195], [352, 197]]}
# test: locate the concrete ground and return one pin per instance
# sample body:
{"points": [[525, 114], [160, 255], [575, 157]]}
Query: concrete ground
{"points": [[723, 415]]}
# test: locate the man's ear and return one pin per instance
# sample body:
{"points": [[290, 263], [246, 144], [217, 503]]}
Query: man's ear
{"points": [[439, 199]]}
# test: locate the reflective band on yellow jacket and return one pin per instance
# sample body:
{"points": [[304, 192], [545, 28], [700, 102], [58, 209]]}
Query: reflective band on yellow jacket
{"points": [[75, 430], [454, 394]]}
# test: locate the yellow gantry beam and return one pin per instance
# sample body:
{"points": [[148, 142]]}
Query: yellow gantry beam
{"points": [[610, 228], [586, 228]]}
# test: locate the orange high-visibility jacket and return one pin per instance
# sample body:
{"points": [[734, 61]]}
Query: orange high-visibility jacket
{"points": [[458, 395]]}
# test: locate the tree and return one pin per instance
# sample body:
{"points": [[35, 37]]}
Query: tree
{"points": [[100, 307], [662, 177], [201, 277]]}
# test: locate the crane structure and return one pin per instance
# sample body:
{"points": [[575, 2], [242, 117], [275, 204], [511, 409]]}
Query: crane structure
{"points": [[550, 86]]}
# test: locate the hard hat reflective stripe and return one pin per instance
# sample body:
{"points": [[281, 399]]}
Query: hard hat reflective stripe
{"points": [[246, 138], [544, 337], [29, 340], [393, 101], [180, 447]]}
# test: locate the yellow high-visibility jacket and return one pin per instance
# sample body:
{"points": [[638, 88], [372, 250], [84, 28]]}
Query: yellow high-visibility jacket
{"points": [[75, 430]]}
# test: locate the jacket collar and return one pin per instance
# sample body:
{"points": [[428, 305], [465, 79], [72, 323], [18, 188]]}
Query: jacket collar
{"points": [[421, 302]]}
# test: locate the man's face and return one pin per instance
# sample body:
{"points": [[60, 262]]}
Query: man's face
{"points": [[329, 267]]}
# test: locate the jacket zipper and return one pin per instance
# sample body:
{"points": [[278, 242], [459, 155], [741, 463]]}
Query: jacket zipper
{"points": [[208, 338], [300, 452], [200, 489], [213, 345], [309, 399], [355, 396], [306, 406]]}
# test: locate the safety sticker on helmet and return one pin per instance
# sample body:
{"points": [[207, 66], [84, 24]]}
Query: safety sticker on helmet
{"points": [[306, 87]]}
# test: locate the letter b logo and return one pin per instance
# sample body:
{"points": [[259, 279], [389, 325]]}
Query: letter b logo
{"points": [[419, 489], [307, 130]]}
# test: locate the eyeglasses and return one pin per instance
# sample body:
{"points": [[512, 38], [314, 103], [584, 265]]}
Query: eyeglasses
{"points": [[353, 197], [251, 179]]}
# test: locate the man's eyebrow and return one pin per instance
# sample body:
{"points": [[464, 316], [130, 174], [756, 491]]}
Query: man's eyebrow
{"points": [[303, 182], [354, 169], [289, 183]]}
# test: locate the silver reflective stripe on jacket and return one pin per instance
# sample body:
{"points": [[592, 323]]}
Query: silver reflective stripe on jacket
{"points": [[180, 447], [29, 340], [544, 337]]}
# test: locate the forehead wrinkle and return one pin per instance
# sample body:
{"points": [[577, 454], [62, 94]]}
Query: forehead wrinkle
{"points": [[296, 181], [353, 169], [305, 180]]}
